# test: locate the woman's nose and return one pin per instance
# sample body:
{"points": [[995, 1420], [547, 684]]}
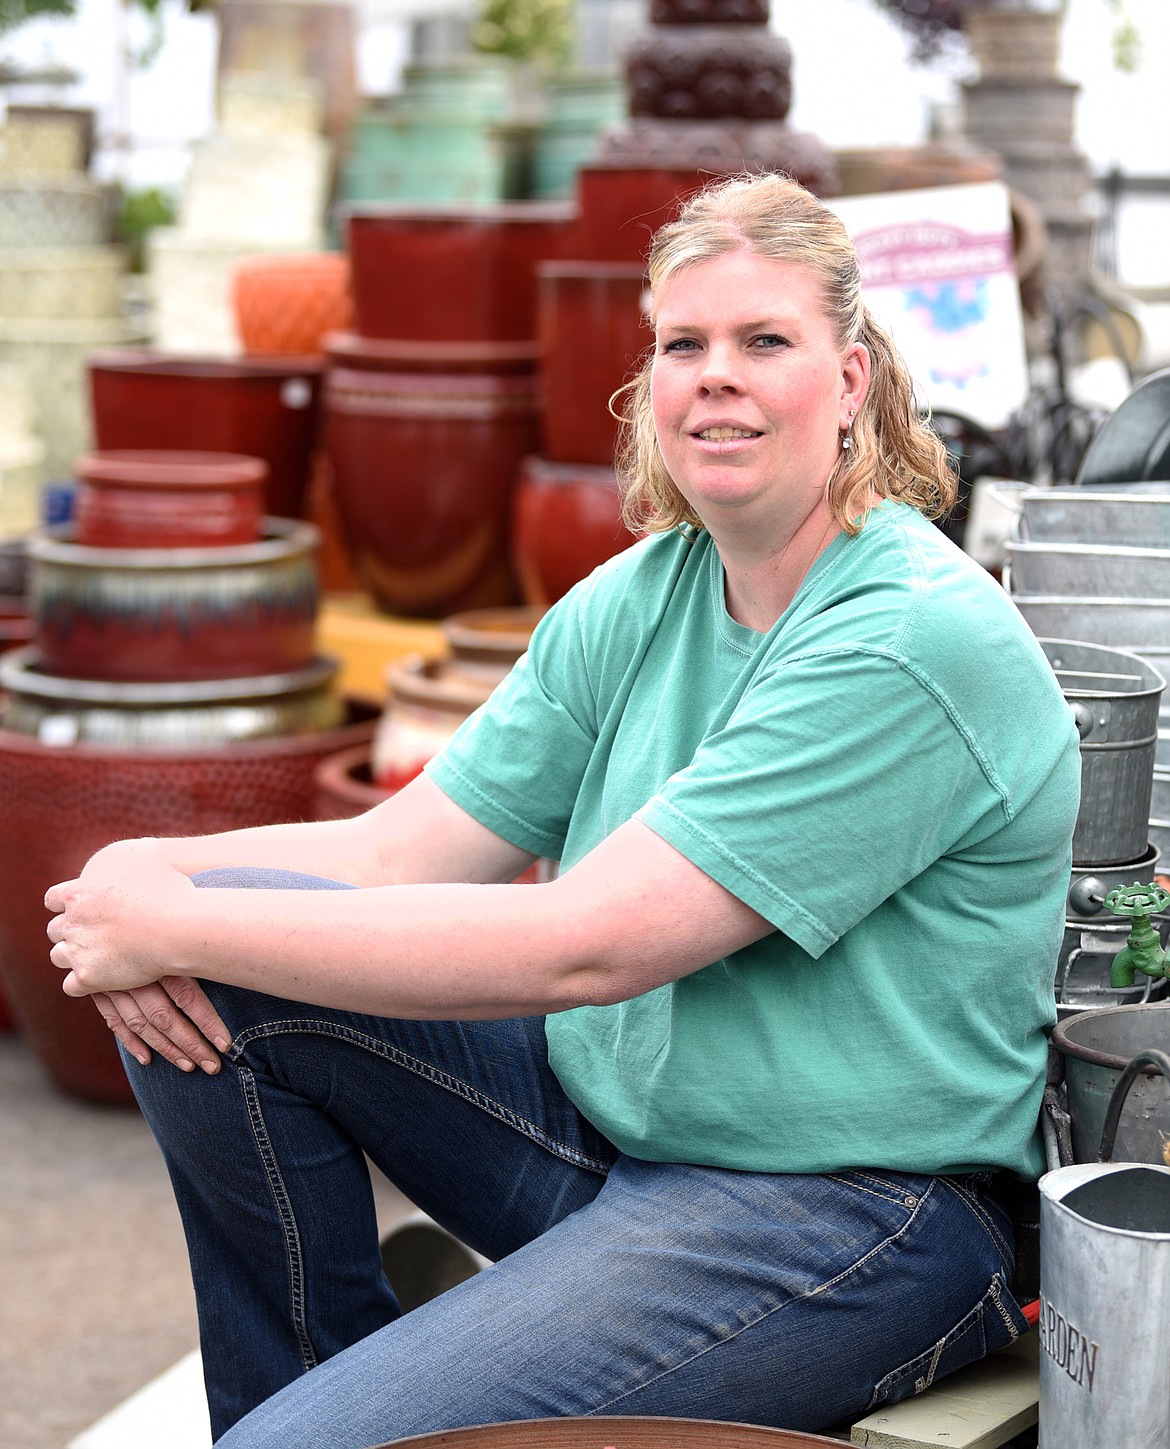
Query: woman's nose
{"points": [[719, 372]]}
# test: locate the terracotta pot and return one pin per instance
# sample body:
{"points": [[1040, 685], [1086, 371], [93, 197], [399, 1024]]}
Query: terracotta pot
{"points": [[622, 207], [264, 408], [424, 468], [179, 716], [379, 354], [452, 274], [287, 303], [593, 332], [629, 1433], [179, 613], [166, 498], [58, 806], [485, 643], [566, 520]]}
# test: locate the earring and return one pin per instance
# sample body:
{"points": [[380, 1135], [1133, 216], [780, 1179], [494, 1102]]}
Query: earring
{"points": [[847, 441]]}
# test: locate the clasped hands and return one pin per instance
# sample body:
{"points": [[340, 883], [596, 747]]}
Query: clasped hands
{"points": [[106, 929]]}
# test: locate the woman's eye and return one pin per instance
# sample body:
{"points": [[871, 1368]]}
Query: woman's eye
{"points": [[768, 340], [680, 344]]}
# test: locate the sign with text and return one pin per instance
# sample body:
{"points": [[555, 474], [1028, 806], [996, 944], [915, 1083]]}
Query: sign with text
{"points": [[938, 272]]}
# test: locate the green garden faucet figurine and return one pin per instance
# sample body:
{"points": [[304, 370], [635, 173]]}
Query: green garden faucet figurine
{"points": [[1143, 948]]}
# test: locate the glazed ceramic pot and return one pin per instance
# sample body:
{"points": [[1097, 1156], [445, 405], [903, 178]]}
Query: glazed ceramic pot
{"points": [[424, 468], [483, 644], [169, 614], [593, 332], [262, 407], [424, 709], [54, 211], [288, 303], [168, 498], [62, 282], [452, 274], [191, 714], [566, 520], [379, 354], [59, 805], [345, 785], [622, 207], [16, 624]]}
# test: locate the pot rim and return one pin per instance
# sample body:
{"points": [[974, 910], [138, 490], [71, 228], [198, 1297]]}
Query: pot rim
{"points": [[162, 468], [144, 361], [1094, 1055], [445, 212], [286, 538], [20, 673]]}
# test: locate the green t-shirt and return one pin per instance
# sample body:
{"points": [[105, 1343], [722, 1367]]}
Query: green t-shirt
{"points": [[889, 775]]}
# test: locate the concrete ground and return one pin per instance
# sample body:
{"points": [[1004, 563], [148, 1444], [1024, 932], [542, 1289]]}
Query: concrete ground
{"points": [[95, 1299]]}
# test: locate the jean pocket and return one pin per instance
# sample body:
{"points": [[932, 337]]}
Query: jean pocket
{"points": [[995, 1320]]}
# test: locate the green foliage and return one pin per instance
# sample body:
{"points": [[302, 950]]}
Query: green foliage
{"points": [[15, 12], [140, 212], [539, 31]]}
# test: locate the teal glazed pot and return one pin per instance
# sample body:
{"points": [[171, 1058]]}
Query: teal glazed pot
{"points": [[265, 408], [169, 614]]}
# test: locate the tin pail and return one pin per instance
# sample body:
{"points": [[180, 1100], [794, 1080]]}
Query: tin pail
{"points": [[1104, 1304], [1098, 1048]]}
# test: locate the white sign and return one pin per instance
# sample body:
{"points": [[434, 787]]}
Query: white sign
{"points": [[938, 272]]}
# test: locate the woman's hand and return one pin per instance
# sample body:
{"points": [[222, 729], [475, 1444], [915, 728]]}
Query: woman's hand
{"points": [[111, 926], [173, 1017]]}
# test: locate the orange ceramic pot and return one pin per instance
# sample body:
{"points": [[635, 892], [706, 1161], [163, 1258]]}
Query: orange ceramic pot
{"points": [[566, 520], [285, 304], [452, 273], [593, 332], [166, 498], [424, 468], [58, 805]]}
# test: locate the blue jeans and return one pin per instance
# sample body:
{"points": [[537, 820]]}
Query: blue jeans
{"points": [[617, 1286]]}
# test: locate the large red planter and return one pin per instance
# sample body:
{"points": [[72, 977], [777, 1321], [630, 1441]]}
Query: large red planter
{"points": [[593, 332], [267, 408], [622, 207], [59, 805], [452, 273], [424, 468], [566, 520]]}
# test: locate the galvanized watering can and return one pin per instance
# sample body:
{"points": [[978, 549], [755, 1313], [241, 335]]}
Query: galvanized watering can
{"points": [[1105, 1293]]}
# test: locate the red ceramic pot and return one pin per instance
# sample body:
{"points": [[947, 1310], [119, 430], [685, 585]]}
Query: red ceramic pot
{"points": [[451, 273], [263, 407], [345, 785], [378, 354], [176, 613], [285, 304], [621, 208], [424, 468], [566, 521], [426, 706], [167, 498], [593, 331], [58, 806], [16, 623]]}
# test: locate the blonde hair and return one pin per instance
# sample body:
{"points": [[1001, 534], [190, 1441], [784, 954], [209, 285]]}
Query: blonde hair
{"points": [[894, 453]]}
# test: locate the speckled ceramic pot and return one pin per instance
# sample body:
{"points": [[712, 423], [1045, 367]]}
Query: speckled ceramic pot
{"points": [[175, 613], [167, 498], [59, 805]]}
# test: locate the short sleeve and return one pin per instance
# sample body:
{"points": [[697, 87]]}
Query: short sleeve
{"points": [[839, 777]]}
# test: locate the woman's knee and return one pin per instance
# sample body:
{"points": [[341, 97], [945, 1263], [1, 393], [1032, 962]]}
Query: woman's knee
{"points": [[264, 877]]}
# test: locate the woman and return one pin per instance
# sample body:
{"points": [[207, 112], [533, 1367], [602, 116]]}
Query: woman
{"points": [[721, 1101]]}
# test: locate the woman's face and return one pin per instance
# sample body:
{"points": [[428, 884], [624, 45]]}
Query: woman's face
{"points": [[749, 390]]}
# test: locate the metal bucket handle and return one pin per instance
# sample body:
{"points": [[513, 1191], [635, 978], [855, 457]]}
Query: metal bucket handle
{"points": [[1149, 1057]]}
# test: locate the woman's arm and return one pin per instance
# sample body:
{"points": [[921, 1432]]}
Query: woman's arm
{"points": [[630, 916]]}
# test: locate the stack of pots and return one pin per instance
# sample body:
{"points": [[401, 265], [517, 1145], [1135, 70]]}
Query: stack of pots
{"points": [[1115, 698], [567, 517], [433, 401], [172, 688]]}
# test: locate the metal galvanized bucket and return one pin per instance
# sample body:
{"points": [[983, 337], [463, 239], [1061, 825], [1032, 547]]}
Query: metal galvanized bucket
{"points": [[1115, 697], [1075, 515], [1096, 1048], [1104, 1303], [1142, 625], [1095, 570]]}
